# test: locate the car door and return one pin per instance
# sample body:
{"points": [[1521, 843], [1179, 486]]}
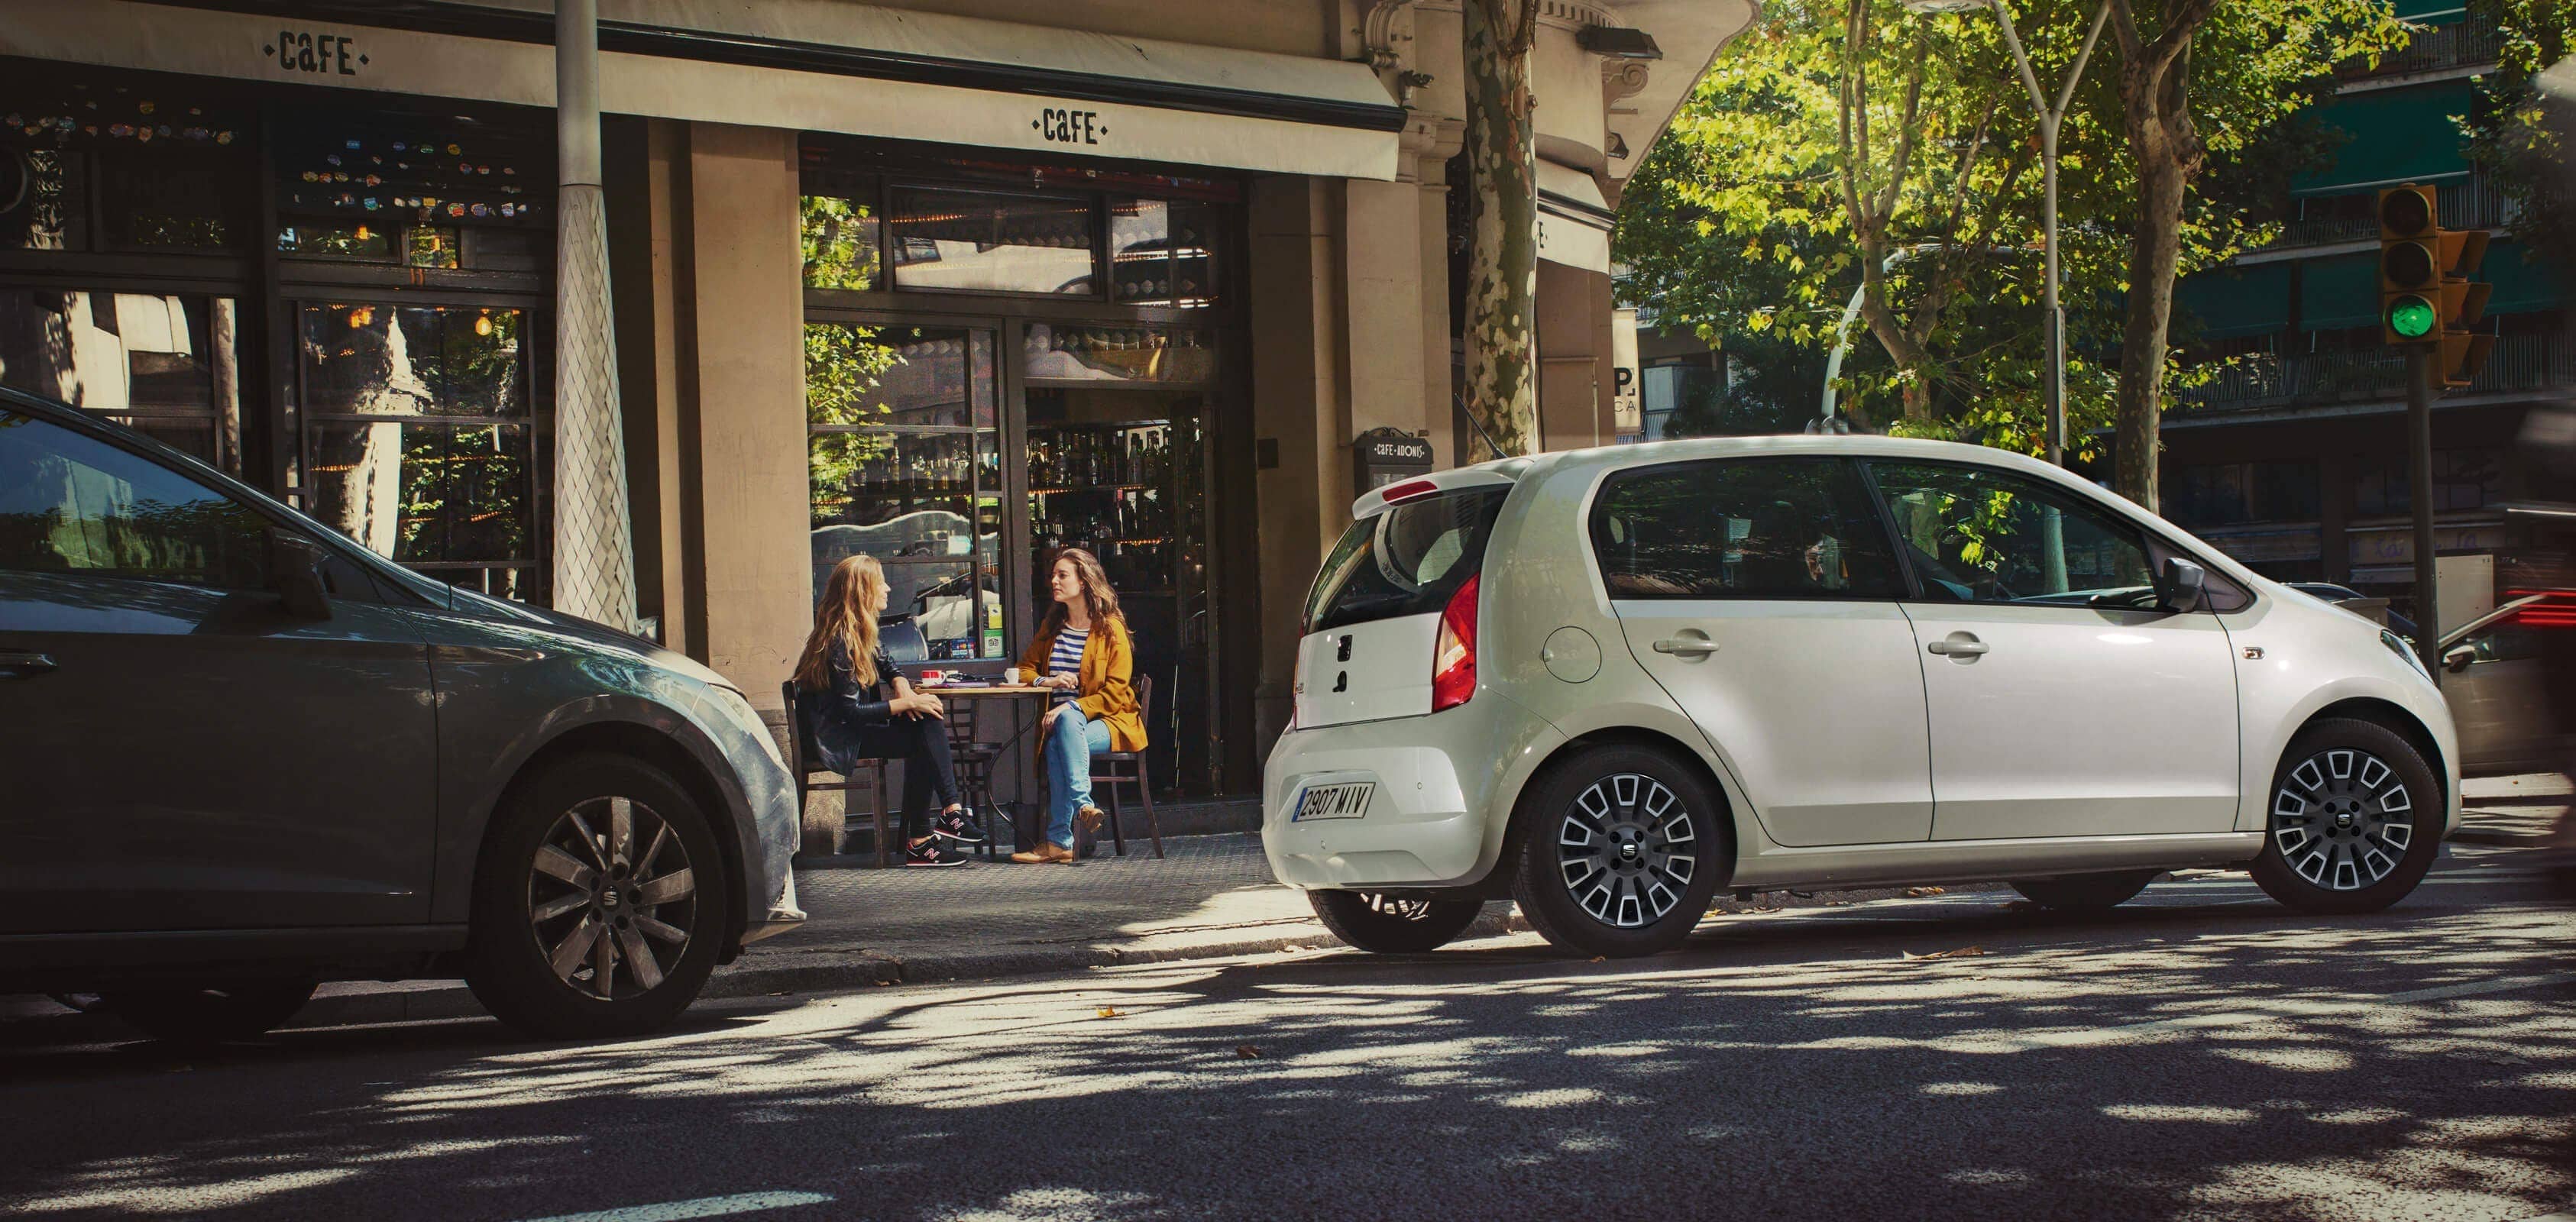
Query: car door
{"points": [[2497, 700], [2063, 702], [1762, 594], [183, 752]]}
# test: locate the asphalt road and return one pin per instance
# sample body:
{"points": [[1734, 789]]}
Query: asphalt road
{"points": [[2198, 1054]]}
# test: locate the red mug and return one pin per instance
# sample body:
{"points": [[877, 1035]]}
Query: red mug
{"points": [[929, 677]]}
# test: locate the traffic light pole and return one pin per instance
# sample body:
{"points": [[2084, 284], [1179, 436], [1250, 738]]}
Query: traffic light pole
{"points": [[2419, 480]]}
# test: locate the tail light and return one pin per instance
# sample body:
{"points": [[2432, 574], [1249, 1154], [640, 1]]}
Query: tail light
{"points": [[1453, 663]]}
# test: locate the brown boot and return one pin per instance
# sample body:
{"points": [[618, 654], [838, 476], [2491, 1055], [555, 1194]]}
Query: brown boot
{"points": [[1045, 855], [1088, 819]]}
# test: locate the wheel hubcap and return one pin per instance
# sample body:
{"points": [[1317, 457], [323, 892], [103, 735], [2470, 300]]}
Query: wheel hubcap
{"points": [[1627, 850], [2343, 819], [612, 901]]}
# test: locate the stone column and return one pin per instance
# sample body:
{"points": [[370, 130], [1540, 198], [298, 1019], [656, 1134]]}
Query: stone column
{"points": [[594, 549]]}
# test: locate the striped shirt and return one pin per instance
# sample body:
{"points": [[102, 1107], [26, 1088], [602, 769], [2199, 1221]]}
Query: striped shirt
{"points": [[1066, 657]]}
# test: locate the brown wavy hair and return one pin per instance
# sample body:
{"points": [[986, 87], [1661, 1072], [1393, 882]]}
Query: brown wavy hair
{"points": [[1096, 594], [847, 615]]}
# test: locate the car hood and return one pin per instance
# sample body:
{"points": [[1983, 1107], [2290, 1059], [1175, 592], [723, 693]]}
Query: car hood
{"points": [[591, 632]]}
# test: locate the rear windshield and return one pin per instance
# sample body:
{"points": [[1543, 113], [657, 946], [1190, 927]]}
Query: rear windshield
{"points": [[1406, 561]]}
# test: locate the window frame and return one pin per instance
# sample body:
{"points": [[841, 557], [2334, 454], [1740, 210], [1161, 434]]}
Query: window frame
{"points": [[1597, 511]]}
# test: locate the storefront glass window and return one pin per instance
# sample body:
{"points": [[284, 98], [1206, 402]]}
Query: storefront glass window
{"points": [[840, 240], [416, 434], [176, 199], [166, 365], [1161, 253], [44, 199], [1084, 352], [2462, 479], [905, 461], [989, 242]]}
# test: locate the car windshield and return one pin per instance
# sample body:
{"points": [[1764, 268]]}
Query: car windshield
{"points": [[1405, 561]]}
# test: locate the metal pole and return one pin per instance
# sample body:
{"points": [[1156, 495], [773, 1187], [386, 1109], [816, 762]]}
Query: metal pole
{"points": [[594, 544], [2419, 480]]}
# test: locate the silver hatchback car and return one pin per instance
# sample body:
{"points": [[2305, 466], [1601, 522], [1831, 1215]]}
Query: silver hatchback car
{"points": [[245, 755], [1606, 683]]}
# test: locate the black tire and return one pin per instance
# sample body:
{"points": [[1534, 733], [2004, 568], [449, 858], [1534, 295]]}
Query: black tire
{"points": [[1633, 901], [2342, 837], [2086, 892], [678, 925], [207, 1014], [1385, 926]]}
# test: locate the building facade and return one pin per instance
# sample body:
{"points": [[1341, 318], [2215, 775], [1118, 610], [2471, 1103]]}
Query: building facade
{"points": [[947, 284], [2293, 456]]}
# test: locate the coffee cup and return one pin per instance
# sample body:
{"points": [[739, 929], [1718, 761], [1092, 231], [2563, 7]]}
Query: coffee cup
{"points": [[1011, 675], [933, 677]]}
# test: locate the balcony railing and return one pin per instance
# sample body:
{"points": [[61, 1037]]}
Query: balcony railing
{"points": [[2471, 204], [2460, 44], [2517, 363]]}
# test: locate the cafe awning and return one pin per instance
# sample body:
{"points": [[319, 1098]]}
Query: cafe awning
{"points": [[847, 68], [2237, 301], [2397, 135]]}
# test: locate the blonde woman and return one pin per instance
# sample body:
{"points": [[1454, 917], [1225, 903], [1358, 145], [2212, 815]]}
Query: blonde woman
{"points": [[1083, 651], [844, 681]]}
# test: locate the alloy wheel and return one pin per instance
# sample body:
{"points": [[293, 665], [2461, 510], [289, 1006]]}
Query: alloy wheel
{"points": [[2343, 819], [612, 900], [1627, 850]]}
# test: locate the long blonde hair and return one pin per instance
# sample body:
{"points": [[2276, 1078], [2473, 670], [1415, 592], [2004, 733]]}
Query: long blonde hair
{"points": [[847, 615], [1097, 597]]}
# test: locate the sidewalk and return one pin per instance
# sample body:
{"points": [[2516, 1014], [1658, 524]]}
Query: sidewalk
{"points": [[1211, 896]]}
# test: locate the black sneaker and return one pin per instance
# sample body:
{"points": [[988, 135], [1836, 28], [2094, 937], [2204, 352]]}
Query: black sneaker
{"points": [[954, 826], [930, 852]]}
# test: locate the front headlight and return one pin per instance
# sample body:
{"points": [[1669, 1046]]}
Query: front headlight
{"points": [[2397, 645]]}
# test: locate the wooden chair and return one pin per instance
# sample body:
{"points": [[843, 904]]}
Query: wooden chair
{"points": [[1119, 768], [804, 764]]}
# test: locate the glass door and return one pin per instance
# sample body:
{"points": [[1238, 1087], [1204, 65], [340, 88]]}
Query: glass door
{"points": [[1115, 466]]}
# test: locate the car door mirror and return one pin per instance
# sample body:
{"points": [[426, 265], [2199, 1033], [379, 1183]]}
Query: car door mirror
{"points": [[2182, 586], [295, 573], [2458, 657]]}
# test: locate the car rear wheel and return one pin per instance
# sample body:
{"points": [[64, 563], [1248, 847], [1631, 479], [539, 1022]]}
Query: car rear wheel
{"points": [[2356, 820], [1621, 854], [2086, 892], [600, 902], [207, 1014], [1388, 925]]}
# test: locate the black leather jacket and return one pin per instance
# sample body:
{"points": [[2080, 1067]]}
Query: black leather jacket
{"points": [[837, 719]]}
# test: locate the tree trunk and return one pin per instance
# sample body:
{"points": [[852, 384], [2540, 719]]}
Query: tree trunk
{"points": [[1501, 322], [2155, 248]]}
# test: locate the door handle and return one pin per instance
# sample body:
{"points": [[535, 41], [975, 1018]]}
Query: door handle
{"points": [[1686, 646], [18, 665], [1958, 645]]}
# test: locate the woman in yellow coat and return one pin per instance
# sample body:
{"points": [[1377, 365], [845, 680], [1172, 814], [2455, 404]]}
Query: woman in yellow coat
{"points": [[1083, 651]]}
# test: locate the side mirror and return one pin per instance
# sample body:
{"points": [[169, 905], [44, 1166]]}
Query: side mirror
{"points": [[2182, 586], [295, 572], [2458, 657]]}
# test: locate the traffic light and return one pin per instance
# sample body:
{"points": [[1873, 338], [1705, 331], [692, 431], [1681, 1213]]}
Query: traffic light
{"points": [[2425, 292]]}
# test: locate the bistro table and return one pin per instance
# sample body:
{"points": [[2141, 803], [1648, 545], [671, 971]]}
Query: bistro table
{"points": [[1019, 696]]}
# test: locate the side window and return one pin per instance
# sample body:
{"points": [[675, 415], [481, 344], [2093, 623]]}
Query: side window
{"points": [[69, 504], [1742, 528], [1979, 535], [2506, 643]]}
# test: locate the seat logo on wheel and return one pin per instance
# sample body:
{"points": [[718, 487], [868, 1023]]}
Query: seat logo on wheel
{"points": [[1627, 850]]}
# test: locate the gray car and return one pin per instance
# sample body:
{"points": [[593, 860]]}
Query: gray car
{"points": [[2498, 692], [244, 755]]}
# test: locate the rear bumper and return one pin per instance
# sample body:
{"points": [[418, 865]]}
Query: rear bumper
{"points": [[1437, 815]]}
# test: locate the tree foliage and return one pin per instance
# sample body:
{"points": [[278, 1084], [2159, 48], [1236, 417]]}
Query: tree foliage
{"points": [[2521, 135]]}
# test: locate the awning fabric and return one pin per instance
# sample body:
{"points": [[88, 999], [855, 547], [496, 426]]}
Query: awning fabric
{"points": [[815, 67], [2398, 135], [2431, 12], [2521, 285], [2339, 292], [2237, 301]]}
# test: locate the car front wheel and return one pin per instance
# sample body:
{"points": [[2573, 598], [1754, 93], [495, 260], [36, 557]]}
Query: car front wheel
{"points": [[1388, 925], [1622, 853], [599, 903], [2356, 820]]}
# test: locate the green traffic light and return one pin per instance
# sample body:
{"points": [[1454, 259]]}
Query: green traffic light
{"points": [[2411, 317]]}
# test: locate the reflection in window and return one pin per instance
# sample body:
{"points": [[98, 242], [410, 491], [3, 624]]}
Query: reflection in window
{"points": [[1160, 253], [1774, 528], [905, 465], [1083, 352], [416, 438], [69, 504], [44, 199], [840, 242], [1976, 535], [988, 242], [165, 365]]}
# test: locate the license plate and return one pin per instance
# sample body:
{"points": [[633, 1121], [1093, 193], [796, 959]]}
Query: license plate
{"points": [[1345, 801]]}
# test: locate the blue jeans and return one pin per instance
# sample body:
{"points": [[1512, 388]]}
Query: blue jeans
{"points": [[1069, 748]]}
